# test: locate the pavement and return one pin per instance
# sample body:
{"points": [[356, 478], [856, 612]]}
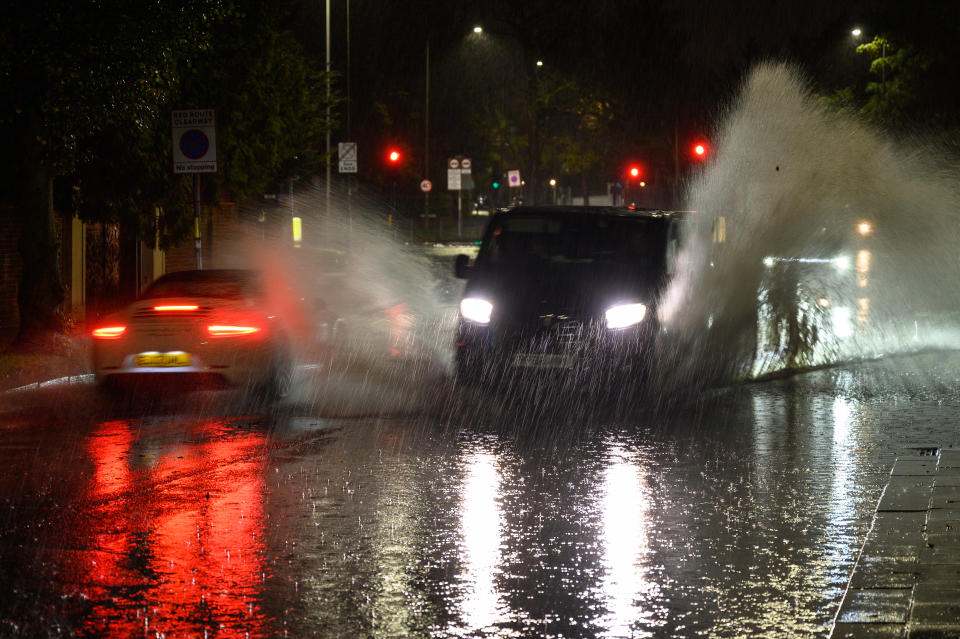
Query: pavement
{"points": [[906, 579], [63, 357]]}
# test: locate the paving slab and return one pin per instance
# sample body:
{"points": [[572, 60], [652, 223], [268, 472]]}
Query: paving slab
{"points": [[880, 578], [946, 497], [894, 523], [914, 466], [949, 458], [939, 540], [943, 573], [943, 514], [943, 527], [940, 555], [944, 479], [936, 592], [876, 606], [869, 631], [875, 549], [905, 499]]}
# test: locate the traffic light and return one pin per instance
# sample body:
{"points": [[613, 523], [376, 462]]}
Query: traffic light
{"points": [[393, 157], [496, 185], [634, 172], [699, 150]]}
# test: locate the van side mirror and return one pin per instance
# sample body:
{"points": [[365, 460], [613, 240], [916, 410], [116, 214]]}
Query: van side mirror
{"points": [[461, 266]]}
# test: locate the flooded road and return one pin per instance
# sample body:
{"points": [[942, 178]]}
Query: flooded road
{"points": [[737, 512]]}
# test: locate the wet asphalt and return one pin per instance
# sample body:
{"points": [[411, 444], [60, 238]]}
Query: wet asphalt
{"points": [[364, 506]]}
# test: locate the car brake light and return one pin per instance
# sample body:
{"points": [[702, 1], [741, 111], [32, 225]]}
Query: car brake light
{"points": [[109, 332], [227, 330], [176, 307]]}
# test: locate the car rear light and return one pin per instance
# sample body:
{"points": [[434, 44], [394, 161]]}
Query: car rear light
{"points": [[176, 307], [229, 330], [109, 332]]}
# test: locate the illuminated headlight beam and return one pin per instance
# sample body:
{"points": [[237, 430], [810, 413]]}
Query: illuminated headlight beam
{"points": [[476, 309], [624, 315]]}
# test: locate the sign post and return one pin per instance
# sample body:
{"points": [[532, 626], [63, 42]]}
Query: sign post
{"points": [[194, 134], [459, 177]]}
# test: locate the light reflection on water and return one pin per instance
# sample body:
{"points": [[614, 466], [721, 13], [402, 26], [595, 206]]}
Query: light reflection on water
{"points": [[626, 544], [386, 529], [481, 523], [187, 555]]}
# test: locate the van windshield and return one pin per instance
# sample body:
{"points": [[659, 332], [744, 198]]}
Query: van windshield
{"points": [[576, 239]]}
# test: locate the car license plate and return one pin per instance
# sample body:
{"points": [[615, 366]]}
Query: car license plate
{"points": [[544, 360], [173, 359]]}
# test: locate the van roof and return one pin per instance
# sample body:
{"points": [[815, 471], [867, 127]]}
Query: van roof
{"points": [[596, 210]]}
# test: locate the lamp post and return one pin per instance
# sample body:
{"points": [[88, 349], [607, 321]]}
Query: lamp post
{"points": [[856, 32]]}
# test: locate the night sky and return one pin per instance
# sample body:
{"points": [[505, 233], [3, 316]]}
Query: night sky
{"points": [[666, 64]]}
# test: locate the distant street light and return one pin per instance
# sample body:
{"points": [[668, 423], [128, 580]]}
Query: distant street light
{"points": [[856, 32], [478, 29], [539, 63]]}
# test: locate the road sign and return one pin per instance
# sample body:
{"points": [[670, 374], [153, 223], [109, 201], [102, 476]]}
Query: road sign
{"points": [[194, 134], [465, 164], [453, 179], [347, 157], [426, 186], [513, 178], [453, 163]]}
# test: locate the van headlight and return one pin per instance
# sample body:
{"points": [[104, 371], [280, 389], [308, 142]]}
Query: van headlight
{"points": [[624, 315], [476, 309]]}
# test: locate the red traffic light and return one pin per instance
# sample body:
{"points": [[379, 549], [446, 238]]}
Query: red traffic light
{"points": [[393, 156], [634, 171], [700, 150]]}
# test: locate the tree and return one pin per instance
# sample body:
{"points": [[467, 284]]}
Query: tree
{"points": [[897, 72], [892, 96]]}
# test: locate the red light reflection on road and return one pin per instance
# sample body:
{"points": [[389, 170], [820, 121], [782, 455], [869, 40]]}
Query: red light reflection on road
{"points": [[175, 533]]}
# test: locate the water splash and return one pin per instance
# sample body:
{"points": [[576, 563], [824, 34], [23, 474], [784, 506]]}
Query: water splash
{"points": [[821, 240], [367, 307]]}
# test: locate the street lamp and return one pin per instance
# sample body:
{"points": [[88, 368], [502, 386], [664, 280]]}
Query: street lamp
{"points": [[478, 29], [856, 32]]}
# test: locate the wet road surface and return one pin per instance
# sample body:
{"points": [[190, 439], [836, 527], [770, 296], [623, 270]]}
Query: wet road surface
{"points": [[397, 511]]}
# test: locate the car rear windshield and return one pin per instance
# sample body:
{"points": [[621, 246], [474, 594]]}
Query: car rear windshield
{"points": [[205, 284], [575, 239]]}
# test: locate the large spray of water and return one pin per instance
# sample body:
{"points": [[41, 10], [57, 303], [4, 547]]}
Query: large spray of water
{"points": [[819, 240], [365, 308]]}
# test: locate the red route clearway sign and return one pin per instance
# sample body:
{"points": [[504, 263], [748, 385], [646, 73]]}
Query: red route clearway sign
{"points": [[194, 136]]}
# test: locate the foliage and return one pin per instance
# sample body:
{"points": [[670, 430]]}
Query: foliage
{"points": [[897, 71], [893, 95]]}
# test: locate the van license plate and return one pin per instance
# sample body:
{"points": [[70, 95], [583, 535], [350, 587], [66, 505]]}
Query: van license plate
{"points": [[544, 360]]}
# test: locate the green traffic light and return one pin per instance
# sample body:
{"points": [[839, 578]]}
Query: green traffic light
{"points": [[496, 185]]}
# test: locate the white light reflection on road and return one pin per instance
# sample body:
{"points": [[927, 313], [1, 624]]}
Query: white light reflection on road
{"points": [[626, 526], [481, 520], [842, 508]]}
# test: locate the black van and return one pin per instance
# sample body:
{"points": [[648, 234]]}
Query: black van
{"points": [[564, 288]]}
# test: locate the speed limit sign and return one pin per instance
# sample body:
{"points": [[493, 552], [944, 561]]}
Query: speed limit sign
{"points": [[426, 186]]}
